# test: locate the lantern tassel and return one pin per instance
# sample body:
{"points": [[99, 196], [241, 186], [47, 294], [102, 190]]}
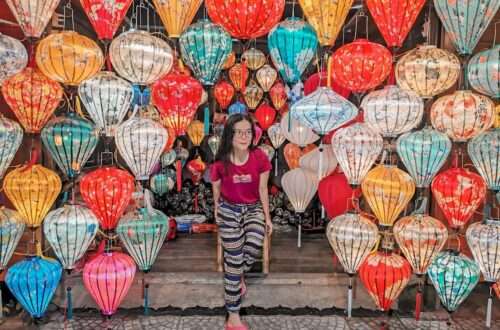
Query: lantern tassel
{"points": [[320, 167], [276, 165], [489, 308], [146, 297], [322, 211], [349, 298], [69, 304], [178, 167], [206, 120], [418, 303], [299, 236]]}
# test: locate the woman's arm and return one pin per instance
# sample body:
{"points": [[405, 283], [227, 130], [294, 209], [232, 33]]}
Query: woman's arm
{"points": [[264, 199], [216, 194]]}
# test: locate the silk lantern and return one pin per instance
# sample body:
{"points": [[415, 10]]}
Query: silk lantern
{"points": [[484, 151], [266, 76], [483, 239], [196, 132], [320, 79], [483, 72], [11, 231], [68, 57], [296, 132], [33, 15], [278, 95], [458, 193], [276, 135], [237, 107], [205, 47], [336, 195], [105, 16], [265, 115], [253, 58], [161, 183], [423, 153], [214, 143], [33, 282], [427, 70], [69, 231], [32, 97], [462, 115], [230, 60], [247, 20], [108, 278], [497, 116], [11, 136], [238, 74], [168, 158], [107, 191], [32, 189], [293, 153], [13, 57], [320, 160], [356, 147], [176, 15], [253, 95], [223, 93]]}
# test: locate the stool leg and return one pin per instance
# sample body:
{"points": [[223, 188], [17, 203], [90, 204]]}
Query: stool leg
{"points": [[219, 254]]}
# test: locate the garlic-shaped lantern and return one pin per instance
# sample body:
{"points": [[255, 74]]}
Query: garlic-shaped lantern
{"points": [[484, 151], [14, 57], [11, 136], [253, 95], [300, 186], [296, 132], [266, 76], [11, 230], [275, 135], [483, 239], [254, 58], [238, 74]]}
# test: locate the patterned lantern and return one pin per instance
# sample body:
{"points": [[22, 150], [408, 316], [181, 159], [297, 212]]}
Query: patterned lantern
{"points": [[293, 153], [458, 193], [356, 147], [295, 132], [162, 183], [237, 107], [70, 230], [454, 276], [70, 140], [361, 65], [33, 15], [483, 72], [105, 16], [265, 115], [320, 160], [462, 115], [497, 117], [238, 74], [300, 186], [484, 151], [266, 76], [196, 132], [68, 57], [11, 136], [278, 95], [143, 232], [196, 168], [223, 93], [140, 57], [392, 110], [13, 57], [108, 277], [475, 14], [483, 239], [326, 17], [32, 189], [385, 275], [394, 19], [176, 15], [427, 70], [107, 99], [107, 192], [230, 60], [33, 281], [387, 190], [320, 79], [11, 231], [253, 58], [420, 237], [276, 135], [32, 97], [252, 95], [205, 47], [246, 20]]}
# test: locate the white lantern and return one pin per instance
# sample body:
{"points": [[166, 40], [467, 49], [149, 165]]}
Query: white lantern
{"points": [[295, 132], [11, 136], [320, 160], [13, 57], [266, 76], [11, 230], [483, 239], [275, 135]]}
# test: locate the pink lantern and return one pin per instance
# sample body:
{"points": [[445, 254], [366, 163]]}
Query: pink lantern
{"points": [[258, 134]]}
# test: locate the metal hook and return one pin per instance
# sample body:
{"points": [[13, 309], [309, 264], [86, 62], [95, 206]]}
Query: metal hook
{"points": [[68, 7]]}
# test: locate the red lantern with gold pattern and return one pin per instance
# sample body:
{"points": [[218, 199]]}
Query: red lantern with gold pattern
{"points": [[265, 115], [223, 92], [278, 95], [105, 16]]}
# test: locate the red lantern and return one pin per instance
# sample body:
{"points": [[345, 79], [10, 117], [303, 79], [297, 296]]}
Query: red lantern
{"points": [[265, 115], [223, 92], [336, 194], [107, 192], [238, 74], [105, 16], [278, 95], [361, 65], [248, 19], [320, 79], [458, 193], [196, 167]]}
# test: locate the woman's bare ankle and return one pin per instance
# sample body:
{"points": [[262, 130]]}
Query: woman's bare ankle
{"points": [[234, 319]]}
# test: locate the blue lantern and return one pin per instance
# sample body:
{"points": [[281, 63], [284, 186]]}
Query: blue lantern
{"points": [[204, 48], [141, 96], [484, 72], [292, 45], [237, 107], [33, 281], [484, 151]]}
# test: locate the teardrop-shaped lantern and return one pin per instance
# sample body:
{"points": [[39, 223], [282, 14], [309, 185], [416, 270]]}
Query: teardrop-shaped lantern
{"points": [[458, 192], [70, 230], [296, 132], [392, 110], [483, 239], [11, 231], [276, 135], [387, 190], [265, 115], [266, 76], [32, 97], [204, 48], [33, 281], [107, 278], [420, 237], [11, 136], [483, 72], [253, 95], [105, 16], [107, 192], [68, 57], [107, 99], [278, 95], [237, 107], [14, 57], [484, 151], [320, 160], [254, 58], [33, 15], [196, 132], [238, 74], [214, 143], [300, 186], [223, 93], [292, 45], [427, 70], [176, 15], [140, 142], [356, 147], [32, 189], [423, 153]]}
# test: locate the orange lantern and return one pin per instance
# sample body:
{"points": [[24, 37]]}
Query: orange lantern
{"points": [[238, 74], [293, 152], [176, 15], [230, 60], [253, 95], [278, 95], [196, 132], [223, 92]]}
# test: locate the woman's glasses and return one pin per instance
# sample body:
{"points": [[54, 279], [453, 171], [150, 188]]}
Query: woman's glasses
{"points": [[243, 132]]}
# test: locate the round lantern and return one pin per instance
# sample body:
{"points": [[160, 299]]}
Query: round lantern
{"points": [[140, 57], [105, 16], [32, 189], [196, 132], [265, 115], [205, 47], [278, 95], [292, 45], [336, 195], [68, 57], [320, 160], [462, 115], [14, 57], [33, 281], [320, 79], [33, 15], [483, 239], [196, 168], [423, 153], [300, 186], [107, 278], [223, 93], [252, 95], [266, 76], [11, 231], [247, 20], [387, 190], [107, 192], [392, 110], [11, 136], [32, 97], [253, 58], [458, 193], [483, 72], [356, 147], [238, 74], [276, 135], [484, 151], [176, 15], [162, 183], [237, 107], [427, 70], [296, 132], [70, 230]]}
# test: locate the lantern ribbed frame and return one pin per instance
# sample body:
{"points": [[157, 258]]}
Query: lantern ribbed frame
{"points": [[275, 135], [278, 95], [105, 16], [196, 132], [300, 186], [238, 74], [483, 72], [223, 93], [296, 132]]}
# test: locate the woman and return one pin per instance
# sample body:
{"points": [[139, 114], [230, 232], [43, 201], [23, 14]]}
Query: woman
{"points": [[239, 179]]}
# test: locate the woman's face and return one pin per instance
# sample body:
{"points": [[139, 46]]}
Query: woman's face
{"points": [[242, 135]]}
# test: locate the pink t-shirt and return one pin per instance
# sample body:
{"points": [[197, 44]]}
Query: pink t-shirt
{"points": [[240, 185]]}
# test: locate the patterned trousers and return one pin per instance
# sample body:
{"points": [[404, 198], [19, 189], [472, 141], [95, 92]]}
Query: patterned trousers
{"points": [[242, 230]]}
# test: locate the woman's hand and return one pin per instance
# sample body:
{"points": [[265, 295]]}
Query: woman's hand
{"points": [[269, 226]]}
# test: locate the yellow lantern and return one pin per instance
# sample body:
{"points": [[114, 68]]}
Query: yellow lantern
{"points": [[196, 132], [253, 95], [266, 76], [32, 189], [254, 58], [387, 190], [230, 60], [176, 15], [497, 117], [326, 17]]}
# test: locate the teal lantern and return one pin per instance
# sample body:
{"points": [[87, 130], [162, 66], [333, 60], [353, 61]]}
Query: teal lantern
{"points": [[11, 136], [484, 151], [204, 48], [11, 230], [484, 72], [162, 183], [143, 232], [71, 140], [423, 153], [292, 45]]}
